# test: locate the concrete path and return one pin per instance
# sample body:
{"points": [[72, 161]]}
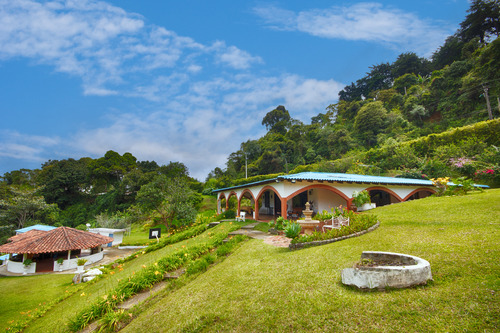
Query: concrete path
{"points": [[279, 241]]}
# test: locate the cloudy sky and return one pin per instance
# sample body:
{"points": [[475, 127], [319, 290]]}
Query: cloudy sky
{"points": [[187, 80]]}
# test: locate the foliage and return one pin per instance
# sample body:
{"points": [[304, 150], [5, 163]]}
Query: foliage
{"points": [[357, 223], [81, 261], [280, 223], [27, 262], [292, 229], [441, 185], [26, 207], [169, 200], [146, 278], [360, 198]]}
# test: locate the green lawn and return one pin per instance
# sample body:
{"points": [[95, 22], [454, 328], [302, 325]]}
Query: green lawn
{"points": [[20, 295], [262, 288], [56, 319]]}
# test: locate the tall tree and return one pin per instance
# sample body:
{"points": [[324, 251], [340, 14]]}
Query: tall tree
{"points": [[23, 207], [370, 121], [483, 20], [277, 120], [64, 182], [170, 200]]}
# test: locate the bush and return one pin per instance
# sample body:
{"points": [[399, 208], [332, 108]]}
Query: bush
{"points": [[292, 230], [357, 223], [81, 262], [360, 198]]}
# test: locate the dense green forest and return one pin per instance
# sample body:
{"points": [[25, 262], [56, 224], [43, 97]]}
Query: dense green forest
{"points": [[378, 126]]}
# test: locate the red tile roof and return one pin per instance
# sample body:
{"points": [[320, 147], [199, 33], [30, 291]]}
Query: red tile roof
{"points": [[59, 239]]}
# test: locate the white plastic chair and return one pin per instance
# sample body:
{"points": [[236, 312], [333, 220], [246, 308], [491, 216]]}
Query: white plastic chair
{"points": [[242, 216], [335, 224], [343, 220]]}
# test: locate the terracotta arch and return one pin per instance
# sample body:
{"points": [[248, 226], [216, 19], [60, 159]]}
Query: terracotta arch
{"points": [[324, 187], [261, 192], [219, 200], [242, 196], [418, 190], [385, 189], [319, 186]]}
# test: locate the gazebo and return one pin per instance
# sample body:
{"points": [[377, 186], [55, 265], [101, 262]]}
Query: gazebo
{"points": [[44, 248]]}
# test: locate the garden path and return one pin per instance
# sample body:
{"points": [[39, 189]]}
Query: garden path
{"points": [[248, 230]]}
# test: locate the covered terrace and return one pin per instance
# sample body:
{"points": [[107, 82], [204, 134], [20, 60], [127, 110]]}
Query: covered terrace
{"points": [[287, 195]]}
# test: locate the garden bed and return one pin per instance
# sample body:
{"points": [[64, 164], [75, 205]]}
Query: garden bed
{"points": [[296, 246]]}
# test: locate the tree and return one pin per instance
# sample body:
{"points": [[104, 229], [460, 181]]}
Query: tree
{"points": [[483, 20], [410, 63], [109, 170], [170, 200], [277, 120], [64, 182], [25, 206], [370, 121]]}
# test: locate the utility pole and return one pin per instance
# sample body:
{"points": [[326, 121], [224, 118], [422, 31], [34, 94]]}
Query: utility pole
{"points": [[246, 166], [490, 115]]}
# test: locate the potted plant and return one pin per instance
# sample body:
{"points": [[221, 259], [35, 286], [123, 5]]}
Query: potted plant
{"points": [[362, 200], [27, 263], [80, 264], [60, 262]]}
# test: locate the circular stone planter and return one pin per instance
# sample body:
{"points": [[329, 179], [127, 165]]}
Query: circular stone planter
{"points": [[410, 271]]}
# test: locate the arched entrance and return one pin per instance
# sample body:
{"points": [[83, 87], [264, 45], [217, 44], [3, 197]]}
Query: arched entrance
{"points": [[269, 204], [321, 197], [420, 194], [382, 196], [247, 204]]}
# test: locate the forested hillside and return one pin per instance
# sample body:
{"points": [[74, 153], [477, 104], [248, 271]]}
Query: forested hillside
{"points": [[395, 102], [112, 191]]}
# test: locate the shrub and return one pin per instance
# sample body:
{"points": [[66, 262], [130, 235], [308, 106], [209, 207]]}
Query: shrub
{"points": [[27, 262], [357, 223], [360, 198], [292, 230], [81, 261]]}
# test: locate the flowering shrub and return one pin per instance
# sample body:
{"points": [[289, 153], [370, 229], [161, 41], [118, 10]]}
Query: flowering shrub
{"points": [[441, 184], [490, 176], [357, 223], [463, 165]]}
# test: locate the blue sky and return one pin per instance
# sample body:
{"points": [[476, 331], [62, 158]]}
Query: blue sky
{"points": [[187, 80]]}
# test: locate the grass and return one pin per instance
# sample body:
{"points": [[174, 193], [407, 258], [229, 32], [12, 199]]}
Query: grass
{"points": [[20, 295], [265, 288], [262, 288], [56, 319]]}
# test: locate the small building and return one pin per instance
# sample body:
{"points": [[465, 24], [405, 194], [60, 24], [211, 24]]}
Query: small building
{"points": [[41, 227], [44, 248], [116, 234]]}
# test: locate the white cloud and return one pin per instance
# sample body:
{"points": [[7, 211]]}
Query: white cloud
{"points": [[200, 126], [200, 113], [24, 146], [234, 57], [368, 21]]}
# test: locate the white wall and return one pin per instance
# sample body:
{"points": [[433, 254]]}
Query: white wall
{"points": [[18, 267], [71, 264]]}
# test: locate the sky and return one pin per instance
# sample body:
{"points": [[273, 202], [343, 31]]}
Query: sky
{"points": [[188, 81]]}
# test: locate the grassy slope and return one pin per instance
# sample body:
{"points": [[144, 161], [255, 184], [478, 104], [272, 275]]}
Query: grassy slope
{"points": [[55, 320], [262, 288]]}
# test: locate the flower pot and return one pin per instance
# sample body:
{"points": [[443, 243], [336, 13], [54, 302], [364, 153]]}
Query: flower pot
{"points": [[80, 269]]}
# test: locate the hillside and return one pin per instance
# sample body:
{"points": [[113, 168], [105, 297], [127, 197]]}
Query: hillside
{"points": [[263, 288]]}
